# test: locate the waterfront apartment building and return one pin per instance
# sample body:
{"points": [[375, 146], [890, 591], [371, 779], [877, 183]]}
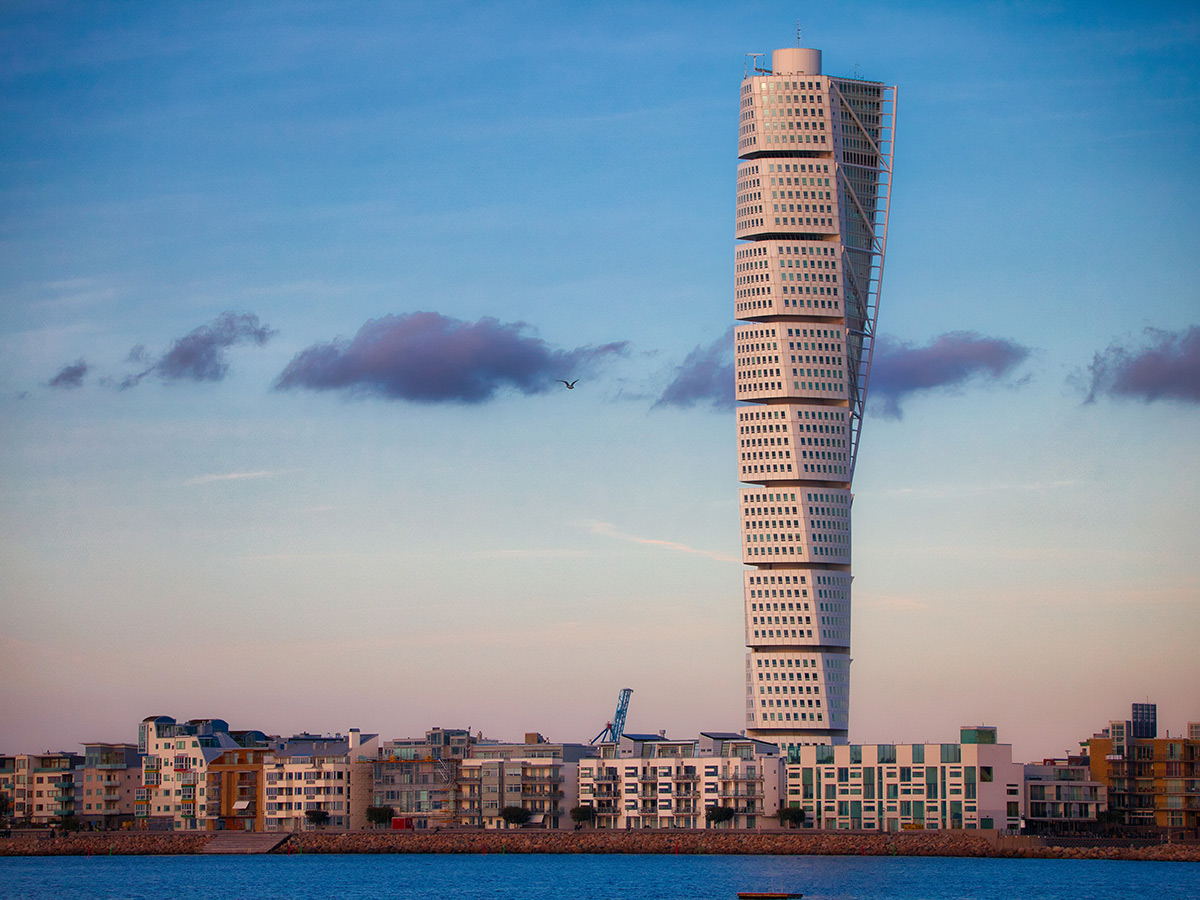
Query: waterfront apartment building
{"points": [[813, 192], [648, 781], [318, 781], [1061, 796], [537, 775], [418, 777], [973, 784], [199, 775], [39, 787], [106, 784], [1151, 781], [8, 771]]}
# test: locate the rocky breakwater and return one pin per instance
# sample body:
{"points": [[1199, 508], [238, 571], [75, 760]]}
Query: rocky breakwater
{"points": [[103, 843], [691, 842], [1157, 853]]}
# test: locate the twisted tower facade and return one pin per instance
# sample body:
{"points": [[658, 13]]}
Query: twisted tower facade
{"points": [[813, 187]]}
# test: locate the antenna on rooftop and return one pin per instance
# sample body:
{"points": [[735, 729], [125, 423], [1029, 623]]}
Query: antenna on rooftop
{"points": [[797, 32]]}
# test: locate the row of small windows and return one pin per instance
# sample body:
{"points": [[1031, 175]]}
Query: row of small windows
{"points": [[815, 332], [788, 676], [839, 499], [768, 498], [810, 168], [774, 511], [788, 662], [779, 579], [789, 250], [774, 84]]}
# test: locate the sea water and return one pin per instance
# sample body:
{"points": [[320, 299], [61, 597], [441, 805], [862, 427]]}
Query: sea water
{"points": [[587, 877]]}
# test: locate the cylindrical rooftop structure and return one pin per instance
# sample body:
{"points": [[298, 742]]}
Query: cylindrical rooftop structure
{"points": [[796, 61]]}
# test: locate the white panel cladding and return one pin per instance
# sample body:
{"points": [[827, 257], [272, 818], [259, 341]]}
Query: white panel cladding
{"points": [[813, 184]]}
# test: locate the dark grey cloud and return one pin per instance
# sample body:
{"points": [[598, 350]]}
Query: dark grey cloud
{"points": [[200, 354], [899, 369], [1167, 369], [705, 377], [425, 357], [70, 376]]}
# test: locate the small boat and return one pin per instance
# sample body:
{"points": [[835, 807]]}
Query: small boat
{"points": [[765, 895]]}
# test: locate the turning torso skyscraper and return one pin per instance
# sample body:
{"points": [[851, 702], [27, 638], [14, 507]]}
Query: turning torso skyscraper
{"points": [[813, 185]]}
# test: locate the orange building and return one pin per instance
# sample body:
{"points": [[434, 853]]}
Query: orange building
{"points": [[1151, 781], [234, 786]]}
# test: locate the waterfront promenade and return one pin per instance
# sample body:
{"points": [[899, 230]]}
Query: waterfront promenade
{"points": [[931, 843]]}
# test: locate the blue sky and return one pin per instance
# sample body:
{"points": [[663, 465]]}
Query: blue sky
{"points": [[195, 200]]}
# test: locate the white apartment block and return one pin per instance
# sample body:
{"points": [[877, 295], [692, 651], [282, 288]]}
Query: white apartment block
{"points": [[973, 784], [318, 774], [648, 781], [813, 189]]}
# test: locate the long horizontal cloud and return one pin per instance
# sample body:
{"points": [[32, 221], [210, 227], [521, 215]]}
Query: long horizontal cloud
{"points": [[705, 377], [425, 357], [1167, 369], [200, 354], [70, 376], [899, 369]]}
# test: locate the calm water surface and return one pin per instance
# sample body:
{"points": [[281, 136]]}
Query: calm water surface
{"points": [[519, 877]]}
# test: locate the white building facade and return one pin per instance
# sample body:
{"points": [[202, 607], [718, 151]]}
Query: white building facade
{"points": [[315, 774], [973, 784], [649, 781], [813, 189]]}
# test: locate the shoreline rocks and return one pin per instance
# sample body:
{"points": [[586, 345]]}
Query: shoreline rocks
{"points": [[811, 843]]}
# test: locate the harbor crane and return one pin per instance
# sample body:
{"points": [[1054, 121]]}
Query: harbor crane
{"points": [[614, 729]]}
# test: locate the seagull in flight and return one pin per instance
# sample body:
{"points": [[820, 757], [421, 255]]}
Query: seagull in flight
{"points": [[570, 384]]}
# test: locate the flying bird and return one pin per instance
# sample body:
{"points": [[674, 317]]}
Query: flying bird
{"points": [[570, 384]]}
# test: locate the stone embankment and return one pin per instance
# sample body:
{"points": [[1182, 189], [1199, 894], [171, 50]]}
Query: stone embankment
{"points": [[103, 843], [931, 843]]}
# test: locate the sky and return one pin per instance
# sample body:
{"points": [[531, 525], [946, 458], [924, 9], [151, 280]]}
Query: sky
{"points": [[287, 288]]}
